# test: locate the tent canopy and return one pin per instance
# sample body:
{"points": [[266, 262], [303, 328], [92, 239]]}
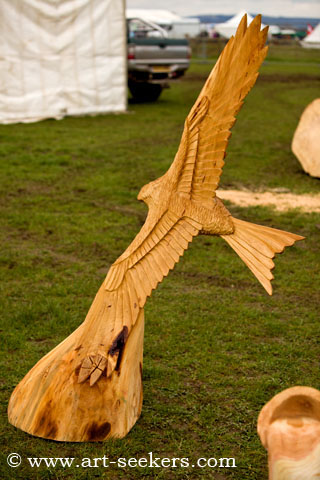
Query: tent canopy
{"points": [[159, 16], [229, 28], [152, 15], [61, 58], [313, 39]]}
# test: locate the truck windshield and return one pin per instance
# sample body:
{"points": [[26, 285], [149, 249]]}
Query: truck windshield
{"points": [[138, 28]]}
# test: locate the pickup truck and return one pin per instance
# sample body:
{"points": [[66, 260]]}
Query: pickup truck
{"points": [[154, 60]]}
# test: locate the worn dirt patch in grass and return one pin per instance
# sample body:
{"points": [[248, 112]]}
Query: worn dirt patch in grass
{"points": [[279, 201]]}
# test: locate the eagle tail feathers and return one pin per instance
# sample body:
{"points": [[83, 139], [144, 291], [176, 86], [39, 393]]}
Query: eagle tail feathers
{"points": [[257, 245]]}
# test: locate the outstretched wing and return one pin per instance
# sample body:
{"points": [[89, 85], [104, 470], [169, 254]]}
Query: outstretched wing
{"points": [[132, 278], [155, 256], [200, 158]]}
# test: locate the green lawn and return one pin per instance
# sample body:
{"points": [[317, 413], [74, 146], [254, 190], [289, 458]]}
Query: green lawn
{"points": [[217, 347]]}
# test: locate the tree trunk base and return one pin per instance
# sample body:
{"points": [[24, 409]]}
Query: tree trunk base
{"points": [[51, 403]]}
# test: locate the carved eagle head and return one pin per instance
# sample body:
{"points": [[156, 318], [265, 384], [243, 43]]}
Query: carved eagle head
{"points": [[149, 193]]}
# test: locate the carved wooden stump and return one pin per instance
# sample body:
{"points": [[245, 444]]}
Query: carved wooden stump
{"points": [[50, 401], [289, 428]]}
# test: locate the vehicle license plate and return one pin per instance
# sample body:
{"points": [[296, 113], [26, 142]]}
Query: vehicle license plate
{"points": [[160, 69]]}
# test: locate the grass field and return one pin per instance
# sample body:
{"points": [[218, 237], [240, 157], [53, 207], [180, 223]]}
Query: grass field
{"points": [[217, 347]]}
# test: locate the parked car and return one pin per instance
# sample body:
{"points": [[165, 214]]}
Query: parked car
{"points": [[154, 60]]}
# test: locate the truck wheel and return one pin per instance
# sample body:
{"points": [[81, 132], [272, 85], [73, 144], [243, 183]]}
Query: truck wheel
{"points": [[145, 92]]}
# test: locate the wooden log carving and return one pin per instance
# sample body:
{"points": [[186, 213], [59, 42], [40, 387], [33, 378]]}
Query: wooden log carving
{"points": [[90, 376], [289, 428]]}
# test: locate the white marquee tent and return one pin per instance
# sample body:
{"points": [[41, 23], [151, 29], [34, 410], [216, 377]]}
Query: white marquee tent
{"points": [[61, 57], [313, 39], [229, 28]]}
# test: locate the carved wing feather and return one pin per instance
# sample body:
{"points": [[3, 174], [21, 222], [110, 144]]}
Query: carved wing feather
{"points": [[200, 157], [158, 252]]}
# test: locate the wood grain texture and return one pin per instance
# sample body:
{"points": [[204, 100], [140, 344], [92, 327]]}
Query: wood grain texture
{"points": [[84, 371], [289, 428], [305, 141], [51, 403]]}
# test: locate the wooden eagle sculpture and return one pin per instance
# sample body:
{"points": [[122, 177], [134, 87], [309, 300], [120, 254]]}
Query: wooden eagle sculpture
{"points": [[90, 386]]}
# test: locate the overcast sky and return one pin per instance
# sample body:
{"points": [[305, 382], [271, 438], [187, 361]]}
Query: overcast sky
{"points": [[288, 8]]}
